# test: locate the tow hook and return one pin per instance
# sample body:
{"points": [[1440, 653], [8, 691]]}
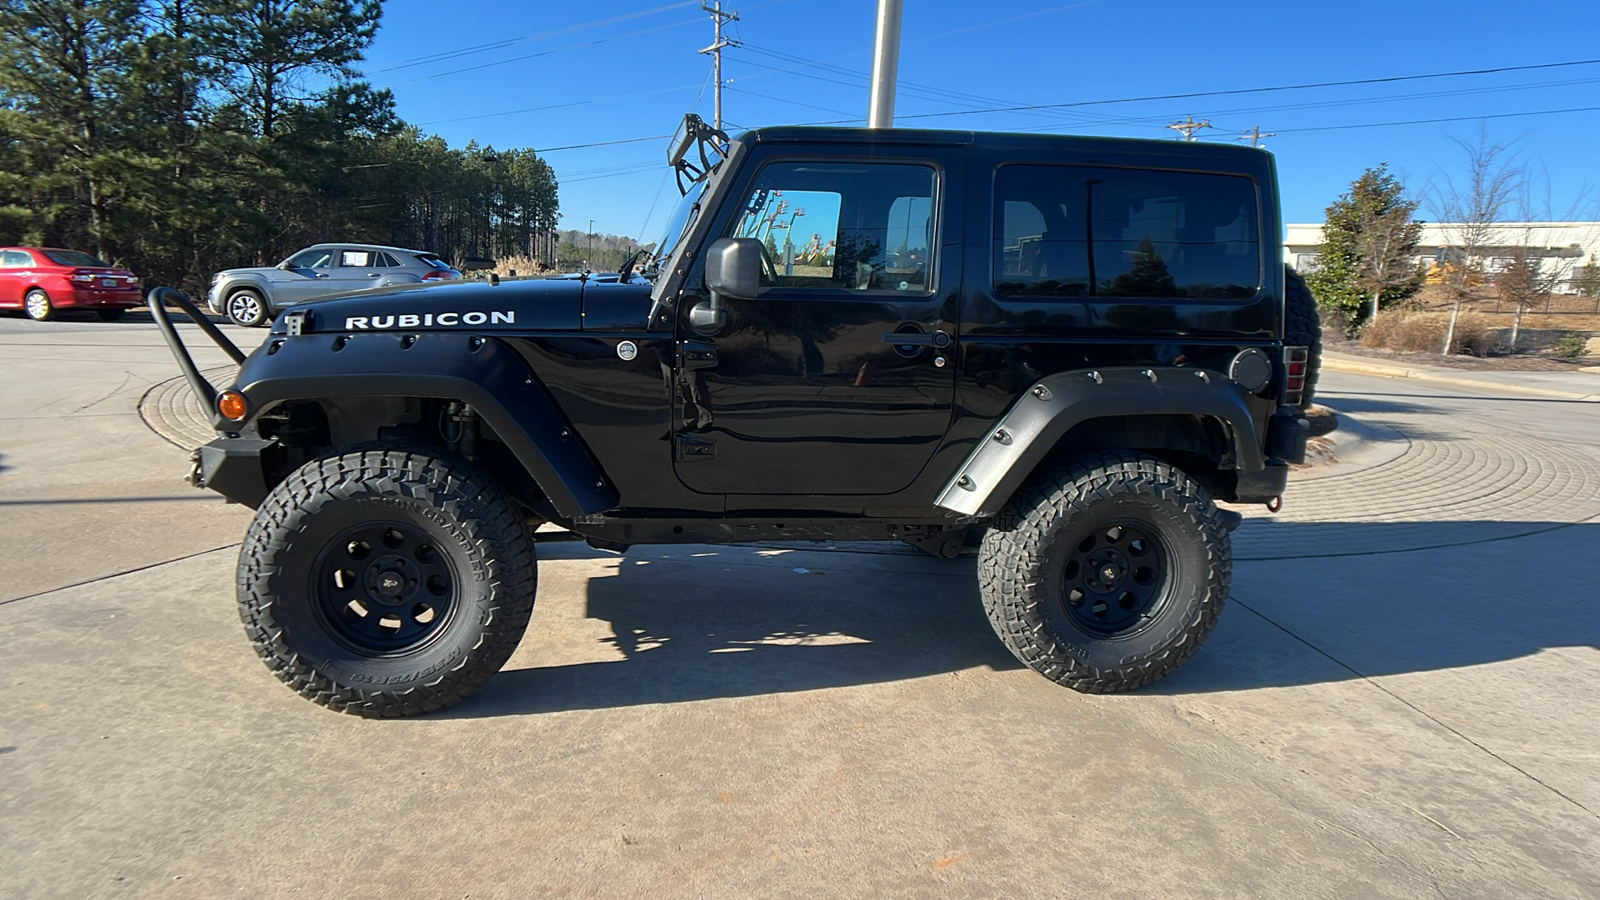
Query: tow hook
{"points": [[194, 478], [1275, 504]]}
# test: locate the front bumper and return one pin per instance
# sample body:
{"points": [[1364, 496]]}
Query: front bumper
{"points": [[232, 467]]}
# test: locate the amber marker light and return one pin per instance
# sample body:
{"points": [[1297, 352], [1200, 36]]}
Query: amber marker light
{"points": [[232, 405]]}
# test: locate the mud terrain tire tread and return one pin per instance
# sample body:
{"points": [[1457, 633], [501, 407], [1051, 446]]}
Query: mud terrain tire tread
{"points": [[1302, 327], [1017, 592], [489, 536]]}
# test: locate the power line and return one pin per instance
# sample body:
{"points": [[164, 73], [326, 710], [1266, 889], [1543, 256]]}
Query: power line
{"points": [[527, 56], [1262, 90], [1540, 112], [527, 38]]}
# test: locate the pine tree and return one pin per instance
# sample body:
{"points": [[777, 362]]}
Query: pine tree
{"points": [[1368, 239]]}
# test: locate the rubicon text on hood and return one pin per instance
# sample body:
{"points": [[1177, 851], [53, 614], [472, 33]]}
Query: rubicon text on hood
{"points": [[428, 320]]}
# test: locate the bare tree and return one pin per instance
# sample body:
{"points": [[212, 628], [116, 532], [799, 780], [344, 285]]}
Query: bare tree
{"points": [[1468, 213], [1386, 247]]}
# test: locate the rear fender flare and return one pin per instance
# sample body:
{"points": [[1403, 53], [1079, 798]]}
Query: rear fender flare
{"points": [[1054, 404], [483, 372]]}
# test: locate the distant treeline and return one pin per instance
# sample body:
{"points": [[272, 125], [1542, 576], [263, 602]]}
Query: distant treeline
{"points": [[185, 136]]}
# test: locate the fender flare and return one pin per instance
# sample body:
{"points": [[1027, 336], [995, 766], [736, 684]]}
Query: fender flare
{"points": [[1050, 408], [484, 372]]}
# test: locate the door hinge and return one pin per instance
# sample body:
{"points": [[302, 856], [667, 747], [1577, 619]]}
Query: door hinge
{"points": [[699, 354], [692, 448], [296, 323]]}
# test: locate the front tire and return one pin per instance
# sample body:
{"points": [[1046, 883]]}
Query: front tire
{"points": [[247, 308], [386, 582], [1106, 573], [36, 303]]}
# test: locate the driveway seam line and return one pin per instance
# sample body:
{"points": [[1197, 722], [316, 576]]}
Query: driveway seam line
{"points": [[115, 575], [1418, 710]]}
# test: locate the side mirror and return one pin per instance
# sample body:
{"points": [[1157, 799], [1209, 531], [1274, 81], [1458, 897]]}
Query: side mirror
{"points": [[733, 269]]}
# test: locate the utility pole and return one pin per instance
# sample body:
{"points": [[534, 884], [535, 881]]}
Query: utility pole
{"points": [[885, 65], [717, 43], [1254, 136], [1189, 126], [589, 263]]}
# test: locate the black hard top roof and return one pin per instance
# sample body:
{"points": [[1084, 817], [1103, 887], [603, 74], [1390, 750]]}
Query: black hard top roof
{"points": [[998, 140]]}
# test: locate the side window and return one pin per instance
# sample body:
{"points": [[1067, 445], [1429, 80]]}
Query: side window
{"points": [[14, 259], [842, 226], [385, 261], [313, 259], [1074, 231], [356, 259]]}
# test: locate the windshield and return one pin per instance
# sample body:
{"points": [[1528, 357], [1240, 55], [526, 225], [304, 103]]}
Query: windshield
{"points": [[683, 215], [73, 258]]}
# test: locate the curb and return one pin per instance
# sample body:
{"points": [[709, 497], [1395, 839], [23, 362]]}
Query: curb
{"points": [[1334, 364]]}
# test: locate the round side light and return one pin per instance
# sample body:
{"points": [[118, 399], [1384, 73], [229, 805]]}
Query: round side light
{"points": [[232, 406]]}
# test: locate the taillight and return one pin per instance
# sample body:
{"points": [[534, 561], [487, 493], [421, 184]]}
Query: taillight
{"points": [[439, 275], [82, 277], [1295, 362]]}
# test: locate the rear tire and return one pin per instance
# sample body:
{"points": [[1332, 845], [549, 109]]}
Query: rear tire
{"points": [[1302, 327], [36, 303], [386, 582], [1106, 573], [247, 308]]}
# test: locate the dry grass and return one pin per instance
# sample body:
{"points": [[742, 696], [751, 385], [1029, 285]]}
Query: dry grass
{"points": [[1423, 332], [509, 266]]}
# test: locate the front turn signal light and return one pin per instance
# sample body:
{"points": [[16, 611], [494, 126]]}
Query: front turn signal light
{"points": [[232, 406]]}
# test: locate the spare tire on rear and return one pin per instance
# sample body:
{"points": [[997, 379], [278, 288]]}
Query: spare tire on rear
{"points": [[1302, 327]]}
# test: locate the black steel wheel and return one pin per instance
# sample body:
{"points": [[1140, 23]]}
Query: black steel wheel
{"points": [[385, 587], [386, 582], [1106, 573], [1115, 577]]}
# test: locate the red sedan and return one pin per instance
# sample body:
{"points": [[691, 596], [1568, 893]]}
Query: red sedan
{"points": [[43, 280]]}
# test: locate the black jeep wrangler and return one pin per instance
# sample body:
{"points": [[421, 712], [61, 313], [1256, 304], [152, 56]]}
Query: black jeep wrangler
{"points": [[1060, 350]]}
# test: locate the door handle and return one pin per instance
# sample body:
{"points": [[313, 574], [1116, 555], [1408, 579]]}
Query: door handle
{"points": [[321, 275], [372, 274], [916, 339]]}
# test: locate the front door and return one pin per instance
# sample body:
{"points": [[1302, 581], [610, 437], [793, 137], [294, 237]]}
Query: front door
{"points": [[838, 378], [12, 265]]}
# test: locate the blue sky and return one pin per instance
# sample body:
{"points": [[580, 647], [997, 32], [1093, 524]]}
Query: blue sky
{"points": [[566, 73]]}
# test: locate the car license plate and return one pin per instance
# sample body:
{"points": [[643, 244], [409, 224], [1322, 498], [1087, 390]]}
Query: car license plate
{"points": [[108, 282]]}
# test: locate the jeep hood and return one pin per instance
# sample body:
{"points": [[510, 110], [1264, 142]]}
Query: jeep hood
{"points": [[478, 306]]}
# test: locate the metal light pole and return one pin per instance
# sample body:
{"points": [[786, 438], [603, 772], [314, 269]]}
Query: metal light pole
{"points": [[885, 65], [588, 263]]}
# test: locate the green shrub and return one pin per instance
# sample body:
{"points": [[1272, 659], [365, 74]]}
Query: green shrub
{"points": [[1570, 345]]}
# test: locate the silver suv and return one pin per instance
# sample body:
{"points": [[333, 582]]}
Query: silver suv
{"points": [[252, 297]]}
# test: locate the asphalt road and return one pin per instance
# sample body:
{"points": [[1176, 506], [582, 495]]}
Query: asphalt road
{"points": [[1412, 714]]}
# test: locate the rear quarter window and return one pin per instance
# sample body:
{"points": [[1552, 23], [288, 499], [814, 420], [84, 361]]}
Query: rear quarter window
{"points": [[1082, 231]]}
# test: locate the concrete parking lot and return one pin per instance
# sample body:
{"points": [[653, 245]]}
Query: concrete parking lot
{"points": [[1400, 700]]}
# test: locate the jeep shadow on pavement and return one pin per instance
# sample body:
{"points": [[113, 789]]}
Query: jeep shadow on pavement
{"points": [[1060, 350]]}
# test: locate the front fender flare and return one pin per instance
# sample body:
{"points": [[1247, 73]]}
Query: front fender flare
{"points": [[1055, 403], [484, 372]]}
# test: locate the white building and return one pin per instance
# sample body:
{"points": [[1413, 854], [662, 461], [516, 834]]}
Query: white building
{"points": [[1565, 246]]}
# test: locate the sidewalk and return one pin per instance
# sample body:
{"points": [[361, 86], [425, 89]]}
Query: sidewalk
{"points": [[1583, 384]]}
